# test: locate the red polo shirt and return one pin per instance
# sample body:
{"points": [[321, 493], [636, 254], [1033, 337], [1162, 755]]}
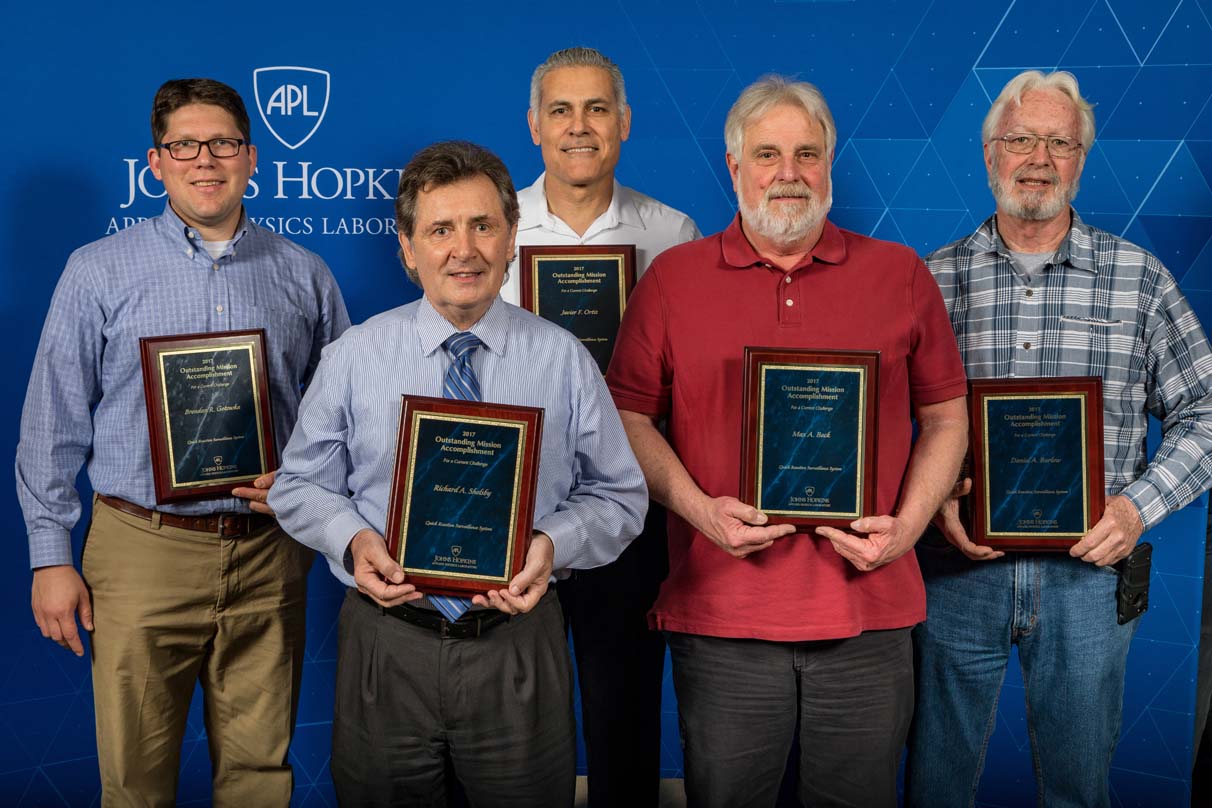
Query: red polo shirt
{"points": [[679, 355]]}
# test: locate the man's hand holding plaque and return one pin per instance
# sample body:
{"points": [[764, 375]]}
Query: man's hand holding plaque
{"points": [[257, 494], [949, 523], [462, 499], [736, 528], [1113, 537], [376, 573], [379, 576], [529, 585]]}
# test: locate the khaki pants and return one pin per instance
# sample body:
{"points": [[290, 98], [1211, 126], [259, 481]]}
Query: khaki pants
{"points": [[173, 607]]}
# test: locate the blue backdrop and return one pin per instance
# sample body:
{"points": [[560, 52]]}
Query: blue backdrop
{"points": [[909, 83]]}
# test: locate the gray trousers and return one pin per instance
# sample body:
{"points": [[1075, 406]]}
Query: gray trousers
{"points": [[496, 711], [740, 702]]}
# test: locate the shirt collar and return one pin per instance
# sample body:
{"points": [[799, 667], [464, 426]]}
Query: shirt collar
{"points": [[175, 228], [1076, 250], [433, 329], [621, 211], [738, 252]]}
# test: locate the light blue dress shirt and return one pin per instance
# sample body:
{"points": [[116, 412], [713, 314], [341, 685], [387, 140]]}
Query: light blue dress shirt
{"points": [[337, 468], [85, 397]]}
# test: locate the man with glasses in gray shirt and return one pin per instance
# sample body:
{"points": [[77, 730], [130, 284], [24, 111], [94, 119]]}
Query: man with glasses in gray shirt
{"points": [[1037, 292]]}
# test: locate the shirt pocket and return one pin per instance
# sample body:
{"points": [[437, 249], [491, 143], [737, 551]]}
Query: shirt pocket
{"points": [[288, 341], [1092, 346]]}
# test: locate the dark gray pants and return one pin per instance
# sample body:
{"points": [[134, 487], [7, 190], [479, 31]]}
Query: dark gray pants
{"points": [[621, 668], [739, 702], [495, 710]]}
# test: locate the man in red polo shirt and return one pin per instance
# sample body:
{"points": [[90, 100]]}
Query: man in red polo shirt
{"points": [[767, 629]]}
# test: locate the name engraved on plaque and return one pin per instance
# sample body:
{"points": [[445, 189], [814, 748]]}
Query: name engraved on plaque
{"points": [[463, 473], [582, 288], [1035, 477], [809, 437], [585, 295], [213, 401]]}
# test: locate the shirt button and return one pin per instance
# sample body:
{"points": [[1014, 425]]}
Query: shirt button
{"points": [[1030, 293], [1027, 346], [189, 253], [215, 267], [790, 302], [787, 279], [219, 309]]}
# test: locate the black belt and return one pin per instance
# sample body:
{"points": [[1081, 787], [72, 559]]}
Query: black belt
{"points": [[471, 624], [223, 525]]}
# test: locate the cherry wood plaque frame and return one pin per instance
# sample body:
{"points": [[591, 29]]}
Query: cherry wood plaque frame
{"points": [[1090, 390], [530, 422], [755, 362], [152, 351], [532, 258]]}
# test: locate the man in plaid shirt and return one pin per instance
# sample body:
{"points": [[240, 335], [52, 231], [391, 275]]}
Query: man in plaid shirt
{"points": [[1037, 292]]}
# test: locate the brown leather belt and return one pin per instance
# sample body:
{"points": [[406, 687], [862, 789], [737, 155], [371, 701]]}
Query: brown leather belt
{"points": [[223, 525]]}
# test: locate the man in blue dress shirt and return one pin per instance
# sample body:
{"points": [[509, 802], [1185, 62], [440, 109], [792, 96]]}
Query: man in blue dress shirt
{"points": [[174, 594], [487, 696]]}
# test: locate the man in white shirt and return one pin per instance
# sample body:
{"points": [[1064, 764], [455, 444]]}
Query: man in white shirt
{"points": [[579, 118]]}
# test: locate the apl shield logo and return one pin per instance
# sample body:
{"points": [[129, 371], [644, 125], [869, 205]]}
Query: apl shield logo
{"points": [[292, 101]]}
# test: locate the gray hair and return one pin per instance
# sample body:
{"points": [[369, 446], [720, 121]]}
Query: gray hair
{"points": [[1060, 80], [576, 57], [769, 92]]}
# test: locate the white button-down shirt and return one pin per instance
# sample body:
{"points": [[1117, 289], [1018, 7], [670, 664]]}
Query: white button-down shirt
{"points": [[631, 218]]}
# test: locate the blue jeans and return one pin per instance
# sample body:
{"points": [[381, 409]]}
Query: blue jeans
{"points": [[1060, 611]]}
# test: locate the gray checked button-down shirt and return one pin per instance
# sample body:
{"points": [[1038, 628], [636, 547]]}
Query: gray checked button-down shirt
{"points": [[1102, 307]]}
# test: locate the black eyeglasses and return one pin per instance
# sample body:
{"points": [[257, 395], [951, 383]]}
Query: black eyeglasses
{"points": [[1024, 143], [218, 147]]}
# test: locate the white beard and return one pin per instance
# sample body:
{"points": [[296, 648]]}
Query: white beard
{"points": [[790, 227], [1033, 206]]}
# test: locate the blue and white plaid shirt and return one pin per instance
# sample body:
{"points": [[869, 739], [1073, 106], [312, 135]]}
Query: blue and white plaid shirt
{"points": [[1102, 307], [85, 397]]}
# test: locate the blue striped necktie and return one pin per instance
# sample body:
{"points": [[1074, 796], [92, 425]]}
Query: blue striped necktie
{"points": [[460, 382]]}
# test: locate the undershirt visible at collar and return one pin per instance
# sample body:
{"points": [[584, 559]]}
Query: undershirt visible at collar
{"points": [[1030, 265], [217, 248]]}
